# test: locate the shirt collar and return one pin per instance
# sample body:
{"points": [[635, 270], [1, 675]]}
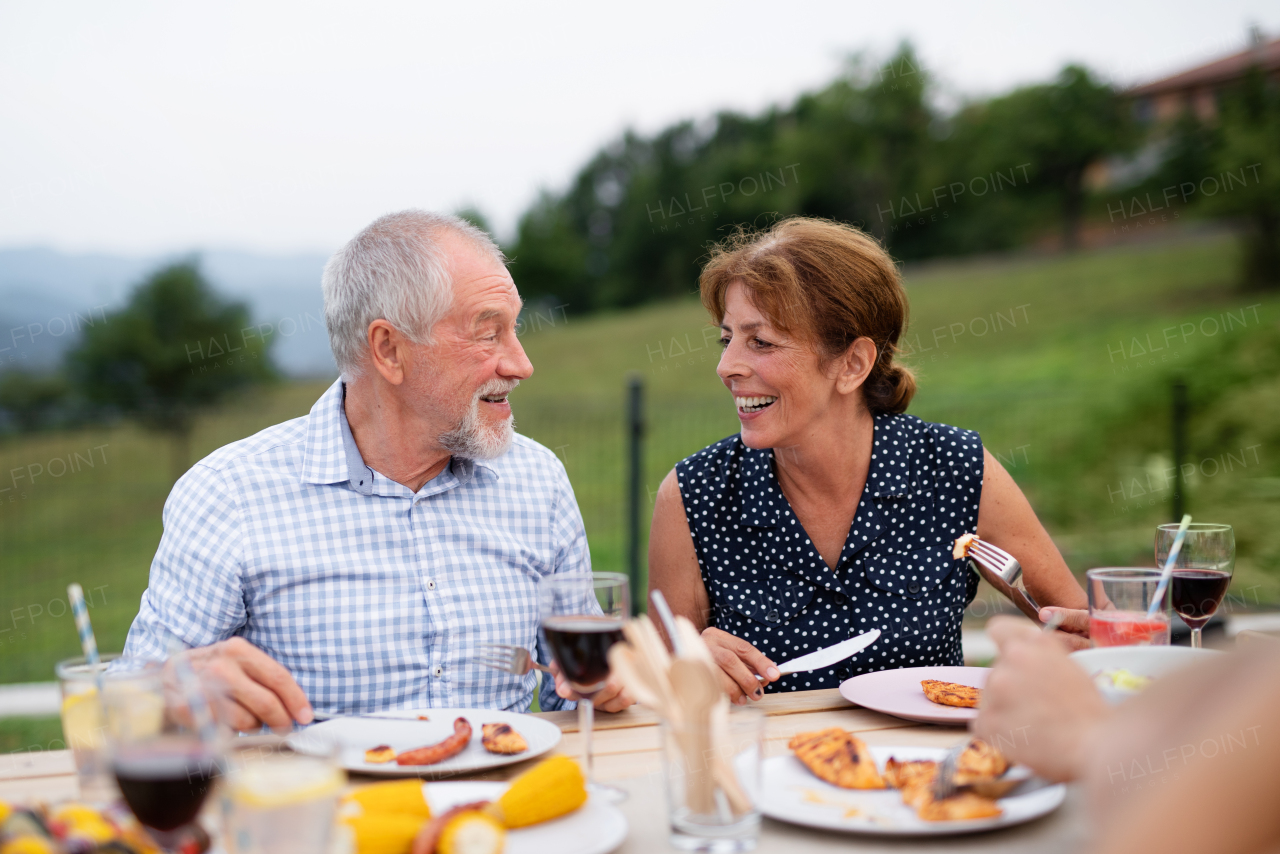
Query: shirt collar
{"points": [[332, 455]]}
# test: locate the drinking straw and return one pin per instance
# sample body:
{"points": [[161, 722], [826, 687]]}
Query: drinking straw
{"points": [[1168, 566], [668, 621], [88, 642], [189, 685]]}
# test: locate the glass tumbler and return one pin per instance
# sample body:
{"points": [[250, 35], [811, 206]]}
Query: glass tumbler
{"points": [[712, 776], [1119, 599], [280, 794]]}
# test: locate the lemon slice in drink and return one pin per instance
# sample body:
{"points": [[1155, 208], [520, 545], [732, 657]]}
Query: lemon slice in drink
{"points": [[284, 782], [82, 720]]}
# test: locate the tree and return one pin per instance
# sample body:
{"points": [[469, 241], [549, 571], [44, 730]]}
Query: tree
{"points": [[1246, 176], [1058, 129], [174, 348], [32, 400]]}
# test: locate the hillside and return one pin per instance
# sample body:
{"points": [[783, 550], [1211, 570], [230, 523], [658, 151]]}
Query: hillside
{"points": [[1068, 385]]}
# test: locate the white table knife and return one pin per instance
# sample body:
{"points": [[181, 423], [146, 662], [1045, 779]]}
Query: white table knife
{"points": [[831, 655]]}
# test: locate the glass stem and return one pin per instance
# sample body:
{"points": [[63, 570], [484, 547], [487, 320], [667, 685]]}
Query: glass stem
{"points": [[1195, 638], [586, 719]]}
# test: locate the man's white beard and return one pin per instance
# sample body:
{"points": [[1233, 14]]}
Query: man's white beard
{"points": [[472, 439]]}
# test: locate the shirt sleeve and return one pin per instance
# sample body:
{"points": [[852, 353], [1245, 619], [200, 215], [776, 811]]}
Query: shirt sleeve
{"points": [[572, 555], [195, 592]]}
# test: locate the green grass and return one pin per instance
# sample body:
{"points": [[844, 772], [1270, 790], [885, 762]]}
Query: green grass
{"points": [[30, 734], [1071, 417]]}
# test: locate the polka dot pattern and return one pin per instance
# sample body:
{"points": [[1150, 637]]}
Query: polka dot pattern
{"points": [[768, 584]]}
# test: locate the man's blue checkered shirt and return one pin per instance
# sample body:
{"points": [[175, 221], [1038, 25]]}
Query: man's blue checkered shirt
{"points": [[373, 596]]}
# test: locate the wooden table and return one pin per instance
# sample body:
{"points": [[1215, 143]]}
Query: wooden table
{"points": [[626, 748]]}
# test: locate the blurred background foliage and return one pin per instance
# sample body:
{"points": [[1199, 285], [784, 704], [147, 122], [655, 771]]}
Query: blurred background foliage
{"points": [[874, 149]]}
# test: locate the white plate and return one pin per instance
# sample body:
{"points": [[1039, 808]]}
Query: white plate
{"points": [[898, 693], [792, 794], [596, 827], [403, 731]]}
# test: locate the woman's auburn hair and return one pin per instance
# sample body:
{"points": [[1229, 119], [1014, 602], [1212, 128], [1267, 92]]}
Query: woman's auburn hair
{"points": [[825, 282]]}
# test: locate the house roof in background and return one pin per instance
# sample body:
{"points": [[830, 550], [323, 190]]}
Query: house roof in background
{"points": [[1233, 67]]}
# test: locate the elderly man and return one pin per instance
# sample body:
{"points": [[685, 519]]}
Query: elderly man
{"points": [[352, 560]]}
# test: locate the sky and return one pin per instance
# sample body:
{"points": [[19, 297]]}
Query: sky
{"points": [[132, 127]]}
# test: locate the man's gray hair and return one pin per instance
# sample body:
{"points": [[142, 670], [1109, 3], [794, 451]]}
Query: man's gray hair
{"points": [[395, 271]]}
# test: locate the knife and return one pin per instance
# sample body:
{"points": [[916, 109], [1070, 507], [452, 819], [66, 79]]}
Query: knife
{"points": [[829, 656]]}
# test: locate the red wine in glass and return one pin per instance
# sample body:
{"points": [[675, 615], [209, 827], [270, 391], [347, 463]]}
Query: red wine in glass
{"points": [[1197, 593], [582, 614], [581, 647], [165, 784]]}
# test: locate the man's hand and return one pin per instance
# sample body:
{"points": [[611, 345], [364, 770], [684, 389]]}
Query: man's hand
{"points": [[249, 687], [1038, 706], [739, 662], [611, 698], [1073, 631]]}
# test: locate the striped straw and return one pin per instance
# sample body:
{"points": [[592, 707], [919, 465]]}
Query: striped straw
{"points": [[88, 642], [1157, 601]]}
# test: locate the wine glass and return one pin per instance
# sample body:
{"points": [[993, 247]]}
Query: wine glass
{"points": [[1201, 572], [162, 762], [582, 616]]}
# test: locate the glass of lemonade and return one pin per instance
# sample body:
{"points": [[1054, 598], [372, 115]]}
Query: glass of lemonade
{"points": [[1119, 599], [280, 794], [133, 705]]}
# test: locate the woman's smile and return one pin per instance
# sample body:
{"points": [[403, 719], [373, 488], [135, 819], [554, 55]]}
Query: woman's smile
{"points": [[753, 405]]}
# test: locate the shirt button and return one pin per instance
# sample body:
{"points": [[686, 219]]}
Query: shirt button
{"points": [[772, 616], [438, 672], [431, 584], [913, 587]]}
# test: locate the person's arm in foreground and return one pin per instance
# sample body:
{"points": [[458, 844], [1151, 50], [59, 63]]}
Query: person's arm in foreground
{"points": [[195, 596], [1203, 743], [673, 569], [573, 556], [1005, 519]]}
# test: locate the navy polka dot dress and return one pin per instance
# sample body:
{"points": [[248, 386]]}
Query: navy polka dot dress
{"points": [[768, 585]]}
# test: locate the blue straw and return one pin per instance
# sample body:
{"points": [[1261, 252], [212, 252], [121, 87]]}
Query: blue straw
{"points": [[88, 642], [1158, 599]]}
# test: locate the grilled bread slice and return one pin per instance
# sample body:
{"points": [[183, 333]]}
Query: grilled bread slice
{"points": [[951, 694], [838, 757], [378, 755], [501, 738]]}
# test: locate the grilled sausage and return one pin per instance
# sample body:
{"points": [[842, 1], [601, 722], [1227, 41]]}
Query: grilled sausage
{"points": [[433, 753]]}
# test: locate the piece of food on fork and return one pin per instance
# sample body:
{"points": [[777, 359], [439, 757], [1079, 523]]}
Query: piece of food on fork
{"points": [[961, 548]]}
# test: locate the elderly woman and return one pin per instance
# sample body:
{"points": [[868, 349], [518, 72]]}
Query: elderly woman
{"points": [[832, 512]]}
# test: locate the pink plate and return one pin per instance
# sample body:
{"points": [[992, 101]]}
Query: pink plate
{"points": [[898, 692]]}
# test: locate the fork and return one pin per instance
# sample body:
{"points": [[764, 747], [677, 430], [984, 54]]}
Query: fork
{"points": [[509, 658], [944, 783], [1003, 566]]}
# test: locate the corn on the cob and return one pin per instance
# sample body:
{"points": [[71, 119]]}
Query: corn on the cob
{"points": [[385, 833], [404, 797], [472, 833], [28, 845], [546, 791]]}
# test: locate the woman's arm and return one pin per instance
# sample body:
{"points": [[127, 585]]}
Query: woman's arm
{"points": [[673, 569], [1005, 519]]}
